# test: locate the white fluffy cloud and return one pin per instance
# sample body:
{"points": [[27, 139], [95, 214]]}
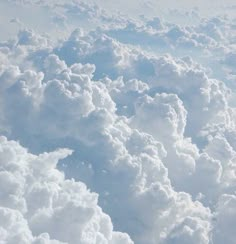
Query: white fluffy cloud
{"points": [[38, 205], [153, 133]]}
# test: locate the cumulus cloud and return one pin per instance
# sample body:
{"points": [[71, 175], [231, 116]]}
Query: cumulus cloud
{"points": [[152, 133], [38, 205]]}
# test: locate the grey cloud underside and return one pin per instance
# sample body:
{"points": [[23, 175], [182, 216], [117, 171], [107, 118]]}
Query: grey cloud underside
{"points": [[147, 110]]}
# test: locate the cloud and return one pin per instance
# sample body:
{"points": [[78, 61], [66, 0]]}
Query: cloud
{"points": [[152, 134], [224, 219], [87, 116], [40, 204]]}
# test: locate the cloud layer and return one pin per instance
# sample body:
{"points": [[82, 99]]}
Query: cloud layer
{"points": [[147, 110]]}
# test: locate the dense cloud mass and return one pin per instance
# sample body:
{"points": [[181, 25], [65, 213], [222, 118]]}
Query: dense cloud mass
{"points": [[117, 129], [38, 205]]}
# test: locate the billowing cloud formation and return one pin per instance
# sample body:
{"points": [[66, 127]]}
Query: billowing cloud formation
{"points": [[38, 205], [152, 134], [130, 159]]}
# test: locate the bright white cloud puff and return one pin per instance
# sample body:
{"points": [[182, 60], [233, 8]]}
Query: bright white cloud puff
{"points": [[38, 205]]}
